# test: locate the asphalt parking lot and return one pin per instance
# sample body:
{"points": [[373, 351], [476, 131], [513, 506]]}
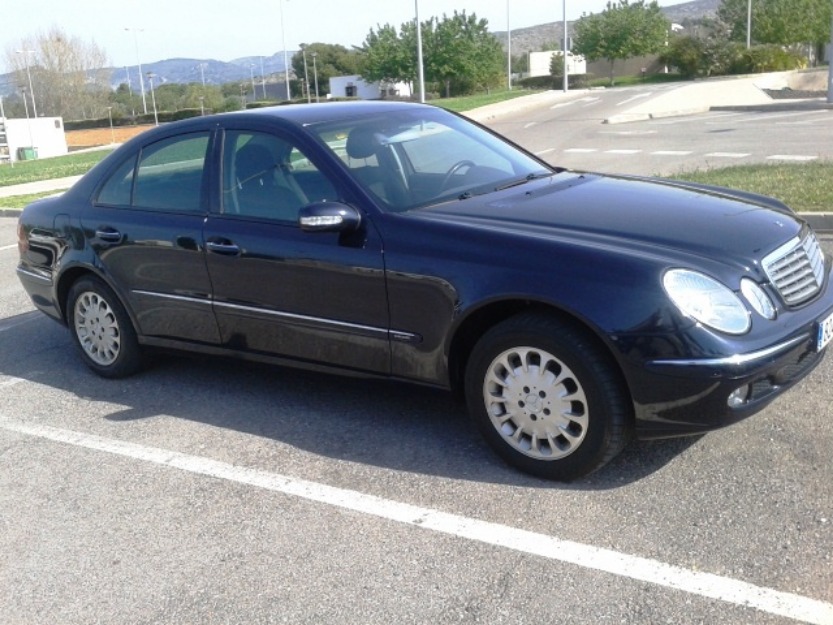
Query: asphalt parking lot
{"points": [[216, 492]]}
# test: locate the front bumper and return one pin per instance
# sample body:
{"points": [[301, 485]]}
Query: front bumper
{"points": [[690, 396]]}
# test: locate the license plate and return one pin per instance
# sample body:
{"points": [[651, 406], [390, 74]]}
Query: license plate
{"points": [[825, 333]]}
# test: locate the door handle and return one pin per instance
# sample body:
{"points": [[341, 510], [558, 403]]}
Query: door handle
{"points": [[222, 247], [109, 235]]}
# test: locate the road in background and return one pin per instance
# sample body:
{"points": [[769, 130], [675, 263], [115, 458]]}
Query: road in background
{"points": [[571, 133]]}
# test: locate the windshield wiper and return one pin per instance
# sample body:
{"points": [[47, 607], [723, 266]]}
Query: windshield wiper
{"points": [[524, 180]]}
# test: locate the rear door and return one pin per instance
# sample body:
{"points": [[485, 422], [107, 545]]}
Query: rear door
{"points": [[145, 226], [316, 297]]}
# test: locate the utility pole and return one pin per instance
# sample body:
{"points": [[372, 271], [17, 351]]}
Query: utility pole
{"points": [[830, 66]]}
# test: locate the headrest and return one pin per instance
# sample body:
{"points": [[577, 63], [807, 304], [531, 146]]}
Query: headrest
{"points": [[363, 142], [252, 161]]}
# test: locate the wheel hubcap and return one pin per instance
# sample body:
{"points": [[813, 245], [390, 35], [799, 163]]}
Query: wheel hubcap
{"points": [[536, 403], [97, 328]]}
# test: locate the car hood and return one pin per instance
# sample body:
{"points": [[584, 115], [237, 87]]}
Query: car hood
{"points": [[643, 212]]}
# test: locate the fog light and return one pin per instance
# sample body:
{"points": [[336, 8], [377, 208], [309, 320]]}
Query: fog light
{"points": [[739, 396]]}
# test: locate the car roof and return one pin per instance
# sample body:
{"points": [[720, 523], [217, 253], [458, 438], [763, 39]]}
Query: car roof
{"points": [[303, 114]]}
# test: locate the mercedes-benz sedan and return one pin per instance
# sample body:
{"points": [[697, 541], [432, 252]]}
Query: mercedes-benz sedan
{"points": [[571, 310]]}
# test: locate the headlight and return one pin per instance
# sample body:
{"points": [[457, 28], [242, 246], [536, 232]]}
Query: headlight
{"points": [[758, 298], [705, 300]]}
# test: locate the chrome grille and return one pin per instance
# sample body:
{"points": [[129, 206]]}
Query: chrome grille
{"points": [[796, 269]]}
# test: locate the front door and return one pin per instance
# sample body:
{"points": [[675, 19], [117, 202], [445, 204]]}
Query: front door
{"points": [[315, 297]]}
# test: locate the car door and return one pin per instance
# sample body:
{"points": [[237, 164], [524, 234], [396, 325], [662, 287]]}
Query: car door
{"points": [[315, 297], [145, 227]]}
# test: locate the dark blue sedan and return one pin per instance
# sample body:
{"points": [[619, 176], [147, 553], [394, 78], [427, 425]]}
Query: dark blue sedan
{"points": [[571, 310]]}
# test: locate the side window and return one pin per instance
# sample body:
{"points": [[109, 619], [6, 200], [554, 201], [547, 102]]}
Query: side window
{"points": [[267, 177], [168, 177]]}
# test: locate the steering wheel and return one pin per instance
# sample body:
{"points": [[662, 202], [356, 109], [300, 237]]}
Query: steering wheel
{"points": [[456, 167]]}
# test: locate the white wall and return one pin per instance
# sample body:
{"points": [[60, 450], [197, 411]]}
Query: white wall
{"points": [[539, 63], [340, 88], [44, 133]]}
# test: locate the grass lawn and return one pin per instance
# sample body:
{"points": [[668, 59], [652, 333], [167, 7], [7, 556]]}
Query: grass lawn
{"points": [[49, 168], [804, 187], [469, 102]]}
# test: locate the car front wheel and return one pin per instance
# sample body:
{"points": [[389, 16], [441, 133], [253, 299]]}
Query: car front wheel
{"points": [[546, 399], [102, 330]]}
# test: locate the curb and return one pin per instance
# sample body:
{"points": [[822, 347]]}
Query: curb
{"points": [[10, 212]]}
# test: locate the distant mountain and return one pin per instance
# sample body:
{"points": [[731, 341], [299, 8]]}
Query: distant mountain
{"points": [[183, 71], [541, 37], [210, 71]]}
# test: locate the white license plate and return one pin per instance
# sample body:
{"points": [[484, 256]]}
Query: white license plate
{"points": [[825, 333]]}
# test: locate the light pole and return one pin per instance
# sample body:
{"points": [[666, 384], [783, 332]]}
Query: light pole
{"points": [[28, 121], [285, 59], [749, 24], [566, 46], [202, 106], [202, 74], [139, 63], [315, 75], [112, 132], [420, 69], [830, 67], [508, 50], [252, 77], [262, 78], [26, 54], [153, 97], [306, 73]]}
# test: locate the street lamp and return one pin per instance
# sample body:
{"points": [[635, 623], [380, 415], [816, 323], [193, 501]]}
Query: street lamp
{"points": [[749, 24], [112, 133], [202, 106], [252, 76], [262, 78], [136, 32], [153, 97], [26, 54], [508, 50], [285, 59], [315, 74], [306, 73], [421, 71], [566, 37]]}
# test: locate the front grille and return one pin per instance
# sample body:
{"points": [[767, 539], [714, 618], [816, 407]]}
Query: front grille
{"points": [[796, 269]]}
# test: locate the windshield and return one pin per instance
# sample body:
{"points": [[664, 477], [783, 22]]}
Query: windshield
{"points": [[425, 156]]}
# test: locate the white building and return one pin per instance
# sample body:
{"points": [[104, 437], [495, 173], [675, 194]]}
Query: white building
{"points": [[23, 139], [356, 87], [539, 63]]}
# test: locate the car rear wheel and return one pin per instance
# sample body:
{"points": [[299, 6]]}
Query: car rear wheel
{"points": [[546, 399], [102, 330]]}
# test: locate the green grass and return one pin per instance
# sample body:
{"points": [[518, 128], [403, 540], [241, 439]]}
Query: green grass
{"points": [[19, 201], [469, 102], [49, 168], [804, 187]]}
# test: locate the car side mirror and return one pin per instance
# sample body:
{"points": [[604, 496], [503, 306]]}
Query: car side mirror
{"points": [[329, 217]]}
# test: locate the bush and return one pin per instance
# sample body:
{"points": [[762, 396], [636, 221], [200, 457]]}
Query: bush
{"points": [[575, 81]]}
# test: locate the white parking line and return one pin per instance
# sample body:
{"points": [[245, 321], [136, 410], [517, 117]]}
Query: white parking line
{"points": [[632, 98], [8, 247], [670, 153], [580, 150], [798, 158], [728, 154], [622, 151], [547, 151], [530, 124], [699, 583]]}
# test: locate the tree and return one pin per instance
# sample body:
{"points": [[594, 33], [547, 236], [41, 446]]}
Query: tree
{"points": [[387, 57], [459, 54], [67, 73], [781, 22], [687, 54], [621, 31], [330, 60]]}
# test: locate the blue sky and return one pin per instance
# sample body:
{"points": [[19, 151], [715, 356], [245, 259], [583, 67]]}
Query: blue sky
{"points": [[225, 29]]}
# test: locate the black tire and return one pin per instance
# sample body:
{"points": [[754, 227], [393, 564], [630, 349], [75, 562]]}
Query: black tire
{"points": [[102, 330], [546, 399]]}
